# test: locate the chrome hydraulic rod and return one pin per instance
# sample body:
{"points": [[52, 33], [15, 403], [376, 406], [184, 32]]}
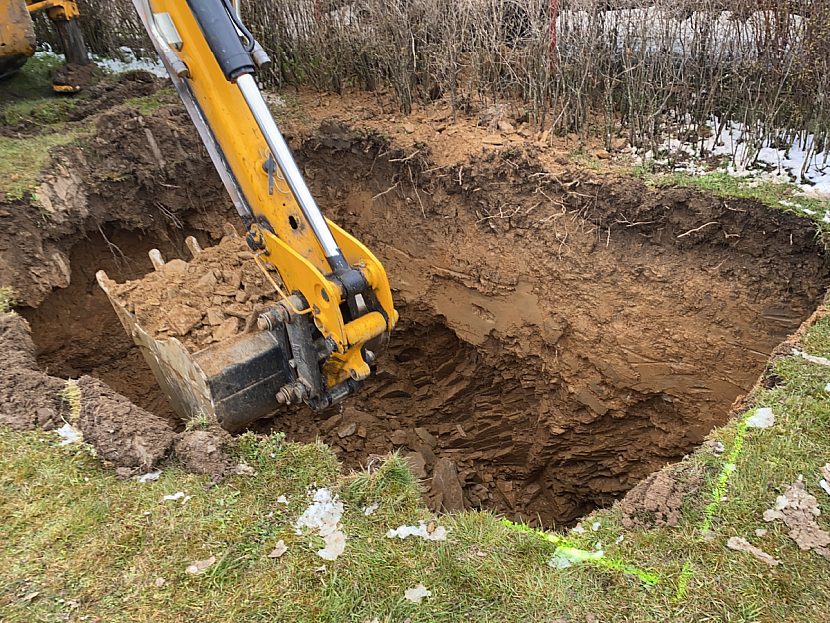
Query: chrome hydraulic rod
{"points": [[279, 148]]}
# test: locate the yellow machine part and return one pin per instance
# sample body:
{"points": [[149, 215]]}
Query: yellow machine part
{"points": [[17, 33], [292, 247]]}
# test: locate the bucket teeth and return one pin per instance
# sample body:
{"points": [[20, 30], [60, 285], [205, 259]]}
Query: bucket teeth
{"points": [[156, 259], [193, 245]]}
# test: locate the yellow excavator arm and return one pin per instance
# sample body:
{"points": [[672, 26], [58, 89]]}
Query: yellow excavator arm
{"points": [[336, 307], [17, 34]]}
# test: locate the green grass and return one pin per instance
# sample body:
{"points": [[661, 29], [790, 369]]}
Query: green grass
{"points": [[7, 300], [91, 546], [22, 160], [41, 112], [35, 75], [148, 103]]}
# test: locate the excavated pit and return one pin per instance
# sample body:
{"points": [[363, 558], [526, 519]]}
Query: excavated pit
{"points": [[561, 337]]}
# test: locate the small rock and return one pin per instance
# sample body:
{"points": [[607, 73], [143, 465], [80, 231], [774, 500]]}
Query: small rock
{"points": [[445, 482], [175, 266], [159, 582], [209, 278], [492, 140], [215, 316], [602, 154], [409, 128], [183, 318], [361, 432], [245, 255], [416, 463], [46, 418], [426, 437], [227, 329], [347, 430], [331, 423], [506, 127], [398, 437]]}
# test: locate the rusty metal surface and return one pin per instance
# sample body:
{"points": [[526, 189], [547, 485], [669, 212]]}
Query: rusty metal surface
{"points": [[17, 33]]}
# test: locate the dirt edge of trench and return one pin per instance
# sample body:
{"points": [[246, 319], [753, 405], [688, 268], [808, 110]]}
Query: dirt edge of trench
{"points": [[549, 316]]}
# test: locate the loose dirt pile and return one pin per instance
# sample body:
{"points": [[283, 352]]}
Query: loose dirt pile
{"points": [[209, 299]]}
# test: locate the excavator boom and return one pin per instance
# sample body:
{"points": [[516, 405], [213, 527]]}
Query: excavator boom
{"points": [[335, 309]]}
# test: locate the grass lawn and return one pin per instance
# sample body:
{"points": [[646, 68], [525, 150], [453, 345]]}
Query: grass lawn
{"points": [[79, 545]]}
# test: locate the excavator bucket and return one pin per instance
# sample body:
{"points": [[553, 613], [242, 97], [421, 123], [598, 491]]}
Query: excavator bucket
{"points": [[232, 383]]}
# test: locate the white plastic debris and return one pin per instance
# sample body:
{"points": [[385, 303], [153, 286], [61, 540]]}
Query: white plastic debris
{"points": [[595, 526], [620, 539], [199, 566], [282, 500], [827, 387], [824, 483], [370, 509], [422, 530], [175, 496], [324, 515], [69, 434], [148, 477], [417, 593], [763, 418], [578, 529], [335, 545], [822, 361], [279, 549]]}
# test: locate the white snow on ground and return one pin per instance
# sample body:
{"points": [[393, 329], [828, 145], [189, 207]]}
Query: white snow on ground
{"points": [[116, 66], [733, 143]]}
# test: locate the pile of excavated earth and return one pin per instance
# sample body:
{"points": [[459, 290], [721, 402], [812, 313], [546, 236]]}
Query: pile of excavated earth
{"points": [[563, 334]]}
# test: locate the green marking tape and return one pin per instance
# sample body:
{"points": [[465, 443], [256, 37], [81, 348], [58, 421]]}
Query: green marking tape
{"points": [[723, 478], [566, 552]]}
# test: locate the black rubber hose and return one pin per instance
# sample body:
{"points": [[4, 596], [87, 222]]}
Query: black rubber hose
{"points": [[217, 26], [240, 25]]}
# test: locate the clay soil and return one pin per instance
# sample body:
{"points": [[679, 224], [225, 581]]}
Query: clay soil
{"points": [[563, 334]]}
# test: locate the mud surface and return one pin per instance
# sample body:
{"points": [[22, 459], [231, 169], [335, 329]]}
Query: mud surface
{"points": [[201, 451], [562, 335], [121, 432], [27, 396]]}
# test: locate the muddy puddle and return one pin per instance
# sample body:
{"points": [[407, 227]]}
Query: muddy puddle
{"points": [[561, 338]]}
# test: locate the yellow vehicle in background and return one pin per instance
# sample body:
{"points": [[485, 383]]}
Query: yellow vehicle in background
{"points": [[17, 36]]}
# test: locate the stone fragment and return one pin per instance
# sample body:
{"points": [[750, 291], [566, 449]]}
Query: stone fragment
{"points": [[215, 316], [602, 154], [227, 329], [445, 483], [506, 127], [592, 402], [361, 432], [425, 436], [409, 128], [348, 430], [330, 424], [426, 451], [175, 266], [398, 437], [492, 140], [416, 463], [183, 318], [208, 279]]}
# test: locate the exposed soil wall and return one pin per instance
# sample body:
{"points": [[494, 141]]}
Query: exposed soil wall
{"points": [[562, 336]]}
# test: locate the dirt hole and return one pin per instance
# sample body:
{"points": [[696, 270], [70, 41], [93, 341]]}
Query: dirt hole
{"points": [[561, 337]]}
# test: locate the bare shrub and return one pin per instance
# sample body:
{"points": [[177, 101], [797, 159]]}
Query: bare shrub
{"points": [[638, 69]]}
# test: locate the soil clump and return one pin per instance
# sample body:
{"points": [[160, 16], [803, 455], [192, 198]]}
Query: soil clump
{"points": [[120, 431], [27, 396], [73, 75], [200, 451], [656, 501]]}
